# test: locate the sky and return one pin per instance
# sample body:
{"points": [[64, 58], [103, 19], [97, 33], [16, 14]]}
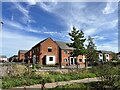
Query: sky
{"points": [[27, 23]]}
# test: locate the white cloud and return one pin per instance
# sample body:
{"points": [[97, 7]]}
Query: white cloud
{"points": [[109, 46], [48, 7], [50, 32], [34, 30], [26, 18], [23, 10], [90, 32], [12, 24], [17, 26], [31, 2], [76, 15], [73, 14], [110, 8], [12, 42], [111, 24], [98, 37]]}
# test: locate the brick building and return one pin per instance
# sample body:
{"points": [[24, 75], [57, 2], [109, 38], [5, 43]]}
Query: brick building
{"points": [[3, 58], [13, 58], [49, 51], [107, 54], [21, 55]]}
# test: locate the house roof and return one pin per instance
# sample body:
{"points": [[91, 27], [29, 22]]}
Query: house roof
{"points": [[63, 45], [3, 56], [41, 42], [14, 56], [118, 53], [107, 52], [23, 51]]}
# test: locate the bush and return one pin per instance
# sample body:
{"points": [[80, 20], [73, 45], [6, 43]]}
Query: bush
{"points": [[37, 66], [17, 70]]}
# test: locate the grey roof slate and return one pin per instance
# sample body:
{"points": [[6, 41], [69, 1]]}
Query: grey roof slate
{"points": [[63, 45], [107, 52], [23, 51], [3, 56]]}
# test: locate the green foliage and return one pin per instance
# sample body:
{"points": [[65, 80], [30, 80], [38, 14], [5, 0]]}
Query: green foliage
{"points": [[77, 38], [109, 75], [92, 54], [37, 77], [114, 56], [73, 86], [52, 65], [86, 86], [37, 66]]}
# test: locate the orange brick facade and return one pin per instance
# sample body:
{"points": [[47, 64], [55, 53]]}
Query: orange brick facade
{"points": [[42, 53], [49, 43], [53, 52], [21, 55]]}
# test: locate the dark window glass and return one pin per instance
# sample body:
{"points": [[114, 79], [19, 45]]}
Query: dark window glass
{"points": [[65, 51], [80, 60], [50, 58], [49, 49], [106, 55], [65, 60]]}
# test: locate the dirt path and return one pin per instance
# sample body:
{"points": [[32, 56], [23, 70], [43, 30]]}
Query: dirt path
{"points": [[52, 85]]}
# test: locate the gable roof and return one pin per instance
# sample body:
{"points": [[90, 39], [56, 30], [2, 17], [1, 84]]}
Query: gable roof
{"points": [[106, 52], [41, 42], [3, 56], [63, 45], [118, 53], [23, 51]]}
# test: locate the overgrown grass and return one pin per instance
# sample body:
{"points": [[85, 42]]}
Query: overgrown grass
{"points": [[109, 72], [37, 77], [86, 86]]}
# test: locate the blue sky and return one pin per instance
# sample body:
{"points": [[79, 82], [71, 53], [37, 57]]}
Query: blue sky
{"points": [[27, 23]]}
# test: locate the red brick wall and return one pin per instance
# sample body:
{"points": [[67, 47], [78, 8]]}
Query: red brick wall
{"points": [[35, 51], [44, 50], [67, 56], [110, 56], [28, 56], [21, 56], [80, 57]]}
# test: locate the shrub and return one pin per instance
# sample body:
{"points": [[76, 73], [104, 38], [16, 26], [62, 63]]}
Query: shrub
{"points": [[38, 66], [18, 69]]}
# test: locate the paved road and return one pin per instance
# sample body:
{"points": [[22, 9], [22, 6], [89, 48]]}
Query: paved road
{"points": [[52, 85]]}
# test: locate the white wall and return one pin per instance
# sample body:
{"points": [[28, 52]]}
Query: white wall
{"points": [[118, 57], [100, 57], [107, 56], [48, 61], [3, 59], [83, 60]]}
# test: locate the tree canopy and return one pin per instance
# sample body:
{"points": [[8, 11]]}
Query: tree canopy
{"points": [[77, 38], [91, 50]]}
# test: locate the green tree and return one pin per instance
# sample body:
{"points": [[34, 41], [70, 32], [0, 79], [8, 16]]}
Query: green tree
{"points": [[109, 76], [77, 38], [114, 56], [92, 54]]}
